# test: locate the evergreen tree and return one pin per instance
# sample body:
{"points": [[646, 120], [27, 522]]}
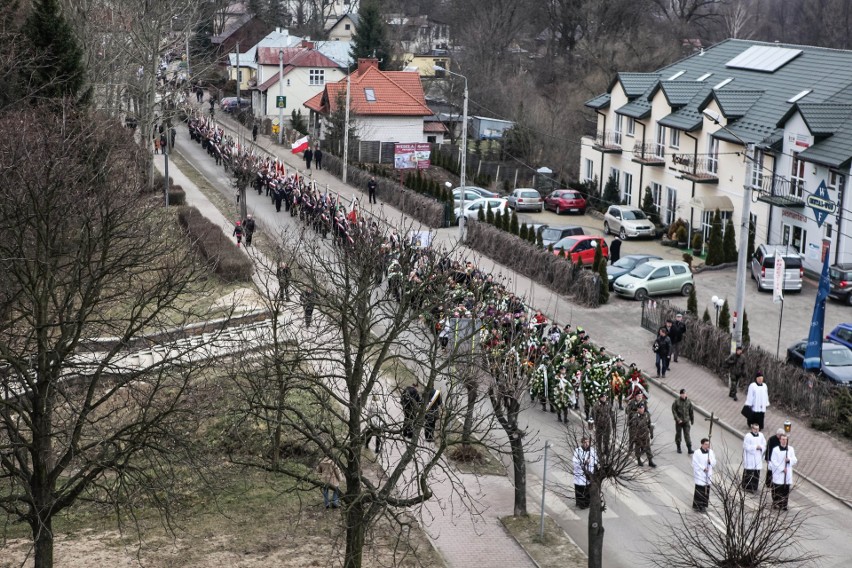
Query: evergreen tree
{"points": [[370, 38], [706, 316], [603, 279], [611, 195], [746, 336], [297, 122], [58, 70], [725, 317], [729, 244], [714, 247], [648, 206], [538, 239], [489, 215], [513, 223], [751, 232], [507, 220], [480, 215], [524, 231], [692, 303], [596, 261]]}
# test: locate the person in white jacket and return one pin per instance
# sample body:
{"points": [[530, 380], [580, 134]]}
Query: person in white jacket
{"points": [[703, 462], [781, 463], [754, 444], [585, 459], [757, 400]]}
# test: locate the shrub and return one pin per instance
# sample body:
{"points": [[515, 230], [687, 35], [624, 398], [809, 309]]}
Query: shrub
{"points": [[648, 207], [611, 194], [725, 317], [751, 232], [681, 234], [687, 258], [729, 243], [706, 317], [714, 246], [177, 196], [674, 229], [480, 215], [524, 231], [513, 224], [603, 280], [697, 241], [746, 336], [692, 303], [489, 215], [507, 220], [226, 260]]}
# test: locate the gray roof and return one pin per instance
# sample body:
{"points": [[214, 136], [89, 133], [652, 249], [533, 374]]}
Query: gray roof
{"points": [[686, 119], [833, 152], [636, 84], [823, 119], [679, 93], [639, 108], [735, 104], [599, 102]]}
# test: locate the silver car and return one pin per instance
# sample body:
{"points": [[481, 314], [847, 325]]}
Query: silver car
{"points": [[763, 267], [525, 199], [627, 222]]}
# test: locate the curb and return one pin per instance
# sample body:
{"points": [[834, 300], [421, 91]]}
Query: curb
{"points": [[733, 430], [527, 552]]}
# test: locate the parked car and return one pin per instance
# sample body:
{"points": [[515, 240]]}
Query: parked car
{"points": [[525, 199], [552, 235], [229, 104], [581, 247], [478, 190], [625, 264], [627, 222], [471, 210], [563, 200], [469, 196], [763, 267], [654, 278], [841, 282], [841, 334], [835, 363]]}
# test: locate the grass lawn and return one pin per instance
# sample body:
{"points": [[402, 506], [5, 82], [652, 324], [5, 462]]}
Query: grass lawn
{"points": [[556, 550]]}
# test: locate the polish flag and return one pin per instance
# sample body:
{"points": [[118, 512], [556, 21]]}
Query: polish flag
{"points": [[300, 145]]}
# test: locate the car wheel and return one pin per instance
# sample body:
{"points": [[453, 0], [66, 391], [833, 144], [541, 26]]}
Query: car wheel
{"points": [[759, 287], [849, 300], [622, 234], [606, 228], [686, 290], [641, 294], [558, 210]]}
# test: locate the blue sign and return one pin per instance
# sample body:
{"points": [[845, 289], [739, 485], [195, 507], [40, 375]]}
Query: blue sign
{"points": [[813, 351], [821, 203]]}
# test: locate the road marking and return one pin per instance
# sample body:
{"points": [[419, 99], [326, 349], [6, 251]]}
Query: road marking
{"points": [[679, 478]]}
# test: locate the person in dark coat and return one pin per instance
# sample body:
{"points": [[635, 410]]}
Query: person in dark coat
{"points": [[318, 158], [433, 408], [283, 274], [309, 155], [410, 401], [254, 133], [308, 301], [248, 228], [615, 250], [662, 349], [735, 364], [677, 331], [371, 189]]}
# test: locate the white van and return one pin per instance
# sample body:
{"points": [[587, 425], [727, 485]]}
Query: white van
{"points": [[763, 267]]}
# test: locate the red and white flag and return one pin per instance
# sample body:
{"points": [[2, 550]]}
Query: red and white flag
{"points": [[300, 145]]}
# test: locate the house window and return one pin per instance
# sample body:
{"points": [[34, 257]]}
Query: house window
{"points": [[432, 139], [671, 205], [796, 237], [832, 180], [616, 175], [631, 126], [660, 146], [347, 27], [712, 155], [674, 139], [288, 82], [797, 177], [707, 222], [757, 169], [627, 189], [317, 77], [588, 170], [616, 137], [657, 195], [370, 95]]}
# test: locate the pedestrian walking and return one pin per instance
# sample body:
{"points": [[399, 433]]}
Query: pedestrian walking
{"points": [[771, 444], [677, 331], [238, 232], [614, 250], [318, 157], [254, 133], [308, 302], [754, 444], [703, 462], [735, 364], [433, 408], [603, 418], [684, 418], [757, 400], [411, 400], [375, 423], [309, 155], [248, 228], [371, 189], [331, 478], [584, 460], [782, 462], [641, 433], [662, 349], [283, 274]]}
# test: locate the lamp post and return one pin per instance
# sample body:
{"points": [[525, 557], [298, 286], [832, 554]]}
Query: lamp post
{"points": [[717, 303], [346, 129], [739, 307], [463, 173], [280, 94]]}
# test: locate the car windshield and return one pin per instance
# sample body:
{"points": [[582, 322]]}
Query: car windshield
{"points": [[642, 270], [551, 234], [837, 357], [570, 195], [633, 215], [529, 194], [626, 263], [565, 243]]}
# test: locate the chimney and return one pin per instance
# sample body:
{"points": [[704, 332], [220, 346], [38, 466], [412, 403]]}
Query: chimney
{"points": [[307, 43], [365, 63]]}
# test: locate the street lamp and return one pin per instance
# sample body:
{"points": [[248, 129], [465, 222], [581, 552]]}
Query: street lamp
{"points": [[717, 303], [739, 307], [463, 173]]}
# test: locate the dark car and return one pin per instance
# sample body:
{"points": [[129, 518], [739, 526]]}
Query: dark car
{"points": [[841, 283], [836, 364], [229, 104], [569, 200], [841, 334], [552, 235], [625, 264]]}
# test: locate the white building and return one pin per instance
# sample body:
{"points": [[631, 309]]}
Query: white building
{"points": [[793, 103]]}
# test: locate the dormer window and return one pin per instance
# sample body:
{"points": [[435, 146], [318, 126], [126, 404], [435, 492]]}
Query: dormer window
{"points": [[370, 94]]}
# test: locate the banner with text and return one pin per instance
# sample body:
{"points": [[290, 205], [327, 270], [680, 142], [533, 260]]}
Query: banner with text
{"points": [[411, 156]]}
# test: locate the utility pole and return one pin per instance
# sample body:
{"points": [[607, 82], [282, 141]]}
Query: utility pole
{"points": [[238, 78], [280, 94], [346, 129]]}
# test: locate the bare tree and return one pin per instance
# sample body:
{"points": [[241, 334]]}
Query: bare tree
{"points": [[754, 536]]}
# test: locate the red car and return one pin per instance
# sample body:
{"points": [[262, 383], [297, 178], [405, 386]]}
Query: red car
{"points": [[569, 200], [581, 247]]}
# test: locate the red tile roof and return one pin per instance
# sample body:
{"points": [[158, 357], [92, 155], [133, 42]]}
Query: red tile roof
{"points": [[435, 127], [293, 56], [396, 93]]}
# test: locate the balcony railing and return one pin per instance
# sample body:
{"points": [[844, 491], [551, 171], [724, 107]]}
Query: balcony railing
{"points": [[699, 169], [608, 141], [780, 191], [649, 153]]}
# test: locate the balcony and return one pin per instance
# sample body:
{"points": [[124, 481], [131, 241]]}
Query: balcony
{"points": [[608, 142], [699, 169], [781, 192], [649, 154]]}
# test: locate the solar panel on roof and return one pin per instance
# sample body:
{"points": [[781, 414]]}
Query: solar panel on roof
{"points": [[766, 58]]}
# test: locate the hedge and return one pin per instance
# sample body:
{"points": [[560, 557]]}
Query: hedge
{"points": [[177, 196], [226, 260], [556, 272]]}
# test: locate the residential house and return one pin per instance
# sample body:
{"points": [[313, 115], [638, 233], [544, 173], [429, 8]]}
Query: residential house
{"points": [[684, 132], [386, 106], [246, 30], [344, 28], [247, 71]]}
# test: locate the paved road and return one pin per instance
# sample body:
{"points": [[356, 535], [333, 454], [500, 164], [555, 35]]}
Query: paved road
{"points": [[632, 516]]}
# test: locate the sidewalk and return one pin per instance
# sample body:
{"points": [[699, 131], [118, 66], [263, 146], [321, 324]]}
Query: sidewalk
{"points": [[465, 538], [823, 459]]}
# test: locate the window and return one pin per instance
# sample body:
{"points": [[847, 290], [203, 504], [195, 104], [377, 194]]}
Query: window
{"points": [[674, 138], [589, 170], [757, 169], [317, 76], [370, 94], [288, 82], [432, 139], [631, 126], [797, 177], [796, 237], [627, 189], [712, 155], [678, 269], [828, 230], [832, 180], [656, 194], [671, 205], [707, 222], [660, 146], [616, 137], [616, 175], [347, 27]]}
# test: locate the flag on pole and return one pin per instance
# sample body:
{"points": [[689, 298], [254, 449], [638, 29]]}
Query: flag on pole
{"points": [[300, 145], [813, 351]]}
